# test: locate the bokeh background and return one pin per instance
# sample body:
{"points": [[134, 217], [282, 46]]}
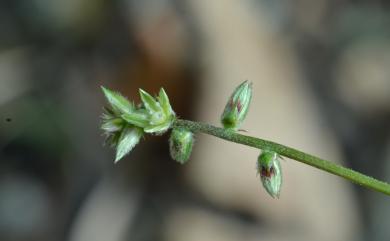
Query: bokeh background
{"points": [[321, 75]]}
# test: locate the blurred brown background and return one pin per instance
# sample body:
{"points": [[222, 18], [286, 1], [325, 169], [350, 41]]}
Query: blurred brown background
{"points": [[321, 74]]}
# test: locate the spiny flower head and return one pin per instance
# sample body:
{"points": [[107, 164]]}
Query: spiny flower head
{"points": [[124, 124]]}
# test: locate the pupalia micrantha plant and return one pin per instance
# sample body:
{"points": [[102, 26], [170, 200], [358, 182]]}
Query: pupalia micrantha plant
{"points": [[124, 124]]}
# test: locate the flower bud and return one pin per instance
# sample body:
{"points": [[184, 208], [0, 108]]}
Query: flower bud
{"points": [[237, 107], [268, 166], [160, 113], [180, 145]]}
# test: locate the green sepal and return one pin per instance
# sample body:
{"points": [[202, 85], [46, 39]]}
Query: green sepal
{"points": [[229, 120], [164, 102], [118, 103], [159, 130], [129, 138], [149, 102], [157, 118], [138, 118]]}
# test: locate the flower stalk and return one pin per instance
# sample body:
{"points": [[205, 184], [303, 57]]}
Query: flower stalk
{"points": [[286, 151], [124, 124]]}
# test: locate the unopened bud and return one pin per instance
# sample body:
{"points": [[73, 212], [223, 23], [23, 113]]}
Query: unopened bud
{"points": [[237, 107], [268, 166], [180, 145]]}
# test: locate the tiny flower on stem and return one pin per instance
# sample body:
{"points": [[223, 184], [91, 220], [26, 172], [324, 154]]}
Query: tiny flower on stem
{"points": [[180, 144], [159, 110], [124, 124], [270, 170], [237, 107]]}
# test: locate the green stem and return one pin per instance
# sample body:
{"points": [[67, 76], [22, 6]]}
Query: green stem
{"points": [[300, 156]]}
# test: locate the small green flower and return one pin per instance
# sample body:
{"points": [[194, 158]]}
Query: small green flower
{"points": [[124, 124], [160, 113], [270, 170], [180, 145], [237, 107]]}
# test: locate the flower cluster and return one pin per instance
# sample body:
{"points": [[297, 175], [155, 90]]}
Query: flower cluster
{"points": [[124, 124]]}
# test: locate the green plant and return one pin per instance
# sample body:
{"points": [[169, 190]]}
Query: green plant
{"points": [[124, 124]]}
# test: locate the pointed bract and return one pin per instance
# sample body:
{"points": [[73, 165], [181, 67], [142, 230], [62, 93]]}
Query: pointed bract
{"points": [[164, 102], [149, 102], [119, 103], [129, 138]]}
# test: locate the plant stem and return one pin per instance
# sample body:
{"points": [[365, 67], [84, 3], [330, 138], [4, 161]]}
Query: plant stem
{"points": [[289, 152]]}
